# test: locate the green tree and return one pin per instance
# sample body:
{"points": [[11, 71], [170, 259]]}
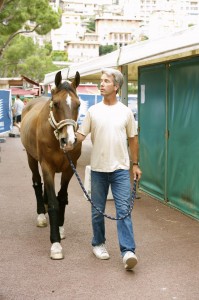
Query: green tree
{"points": [[23, 57], [1, 4], [14, 15], [90, 26], [58, 55], [35, 67], [106, 49]]}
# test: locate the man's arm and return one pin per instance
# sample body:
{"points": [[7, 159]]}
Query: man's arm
{"points": [[134, 153]]}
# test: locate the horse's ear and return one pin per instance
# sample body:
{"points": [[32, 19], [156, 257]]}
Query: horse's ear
{"points": [[76, 80], [58, 78]]}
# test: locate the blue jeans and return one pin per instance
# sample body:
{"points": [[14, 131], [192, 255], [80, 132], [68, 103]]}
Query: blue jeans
{"points": [[121, 190]]}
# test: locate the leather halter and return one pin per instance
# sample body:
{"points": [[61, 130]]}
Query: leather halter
{"points": [[61, 124]]}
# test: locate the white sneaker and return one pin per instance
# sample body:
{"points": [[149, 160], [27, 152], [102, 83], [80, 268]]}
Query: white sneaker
{"points": [[129, 260], [101, 252]]}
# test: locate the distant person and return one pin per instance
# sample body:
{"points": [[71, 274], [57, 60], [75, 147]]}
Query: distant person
{"points": [[17, 111], [111, 125]]}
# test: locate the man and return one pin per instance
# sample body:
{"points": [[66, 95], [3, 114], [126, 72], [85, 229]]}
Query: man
{"points": [[17, 111], [111, 124]]}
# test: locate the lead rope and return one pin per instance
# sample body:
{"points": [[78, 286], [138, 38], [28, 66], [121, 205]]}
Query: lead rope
{"points": [[89, 199]]}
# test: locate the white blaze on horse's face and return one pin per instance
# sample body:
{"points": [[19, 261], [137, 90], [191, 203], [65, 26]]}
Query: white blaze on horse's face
{"points": [[70, 129], [68, 100], [71, 137]]}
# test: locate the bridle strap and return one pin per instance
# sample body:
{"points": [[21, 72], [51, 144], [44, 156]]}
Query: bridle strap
{"points": [[61, 124]]}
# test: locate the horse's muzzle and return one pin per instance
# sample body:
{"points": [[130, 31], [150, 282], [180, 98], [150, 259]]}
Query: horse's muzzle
{"points": [[65, 145]]}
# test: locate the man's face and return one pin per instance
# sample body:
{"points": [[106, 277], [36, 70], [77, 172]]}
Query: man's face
{"points": [[107, 86]]}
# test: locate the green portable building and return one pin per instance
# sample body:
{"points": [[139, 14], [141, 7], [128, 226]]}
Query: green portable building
{"points": [[168, 95]]}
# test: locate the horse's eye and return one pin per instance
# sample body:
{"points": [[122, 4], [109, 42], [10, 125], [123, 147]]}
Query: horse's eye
{"points": [[56, 104]]}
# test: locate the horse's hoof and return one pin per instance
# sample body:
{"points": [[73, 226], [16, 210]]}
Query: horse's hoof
{"points": [[56, 251], [41, 220], [61, 232]]}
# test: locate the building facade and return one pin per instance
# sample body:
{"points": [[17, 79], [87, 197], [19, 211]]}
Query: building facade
{"points": [[118, 22]]}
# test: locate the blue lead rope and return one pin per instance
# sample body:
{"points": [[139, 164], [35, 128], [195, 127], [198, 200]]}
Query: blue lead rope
{"points": [[90, 200]]}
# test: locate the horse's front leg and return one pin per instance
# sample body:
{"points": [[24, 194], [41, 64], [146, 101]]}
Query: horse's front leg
{"points": [[53, 212], [37, 185], [63, 198]]}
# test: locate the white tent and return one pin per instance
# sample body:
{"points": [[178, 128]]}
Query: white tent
{"points": [[178, 45]]}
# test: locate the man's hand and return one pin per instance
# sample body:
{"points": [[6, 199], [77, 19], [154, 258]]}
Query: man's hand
{"points": [[137, 173], [79, 137]]}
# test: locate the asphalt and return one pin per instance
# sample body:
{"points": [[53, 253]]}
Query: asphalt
{"points": [[167, 244]]}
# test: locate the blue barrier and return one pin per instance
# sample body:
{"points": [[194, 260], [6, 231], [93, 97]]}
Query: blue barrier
{"points": [[5, 111]]}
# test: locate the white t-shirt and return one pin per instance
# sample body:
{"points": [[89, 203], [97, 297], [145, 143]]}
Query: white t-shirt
{"points": [[18, 107], [110, 126]]}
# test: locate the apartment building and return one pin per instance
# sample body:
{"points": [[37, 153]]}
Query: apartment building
{"points": [[70, 30], [85, 7], [115, 30], [118, 22], [110, 27], [79, 51], [167, 16]]}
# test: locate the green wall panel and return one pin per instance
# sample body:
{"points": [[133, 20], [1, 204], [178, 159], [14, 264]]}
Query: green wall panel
{"points": [[152, 122], [183, 143], [169, 102]]}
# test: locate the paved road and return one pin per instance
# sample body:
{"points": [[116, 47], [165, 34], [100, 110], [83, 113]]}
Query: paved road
{"points": [[167, 245]]}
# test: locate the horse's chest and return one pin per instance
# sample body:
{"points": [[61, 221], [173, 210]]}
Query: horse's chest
{"points": [[59, 162]]}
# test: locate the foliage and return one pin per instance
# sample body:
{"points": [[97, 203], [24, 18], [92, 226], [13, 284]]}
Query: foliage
{"points": [[90, 27], [144, 38], [106, 49], [132, 88], [48, 47], [59, 56], [15, 14], [23, 57], [35, 67]]}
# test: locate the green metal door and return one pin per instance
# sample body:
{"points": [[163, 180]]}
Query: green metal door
{"points": [[183, 142], [152, 126]]}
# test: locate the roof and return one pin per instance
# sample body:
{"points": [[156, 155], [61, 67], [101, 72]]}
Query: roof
{"points": [[84, 42], [22, 92], [30, 80], [117, 18], [9, 81]]}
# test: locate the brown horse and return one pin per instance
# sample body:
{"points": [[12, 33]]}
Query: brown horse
{"points": [[47, 132]]}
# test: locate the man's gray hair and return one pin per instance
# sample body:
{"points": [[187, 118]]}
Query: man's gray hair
{"points": [[117, 75]]}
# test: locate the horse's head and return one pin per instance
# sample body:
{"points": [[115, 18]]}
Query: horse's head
{"points": [[64, 108]]}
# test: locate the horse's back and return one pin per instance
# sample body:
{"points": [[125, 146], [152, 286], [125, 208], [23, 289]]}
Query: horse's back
{"points": [[34, 105]]}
